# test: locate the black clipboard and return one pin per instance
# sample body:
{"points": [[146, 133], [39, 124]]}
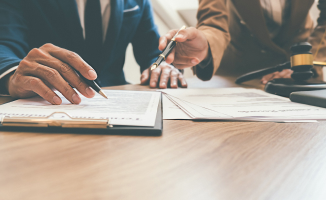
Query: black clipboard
{"points": [[115, 130]]}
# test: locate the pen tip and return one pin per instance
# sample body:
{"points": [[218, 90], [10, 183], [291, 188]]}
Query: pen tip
{"points": [[102, 94]]}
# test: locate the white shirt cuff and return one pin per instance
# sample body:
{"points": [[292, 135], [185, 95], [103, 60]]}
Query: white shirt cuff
{"points": [[8, 71], [5, 74]]}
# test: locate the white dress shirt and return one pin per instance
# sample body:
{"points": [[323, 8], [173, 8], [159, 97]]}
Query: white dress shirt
{"points": [[276, 13], [105, 11]]}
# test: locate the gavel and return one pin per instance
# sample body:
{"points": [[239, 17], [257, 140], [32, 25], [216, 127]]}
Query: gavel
{"points": [[301, 63]]}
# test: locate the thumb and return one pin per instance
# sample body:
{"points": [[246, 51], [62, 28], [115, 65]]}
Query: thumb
{"points": [[144, 77], [187, 34]]}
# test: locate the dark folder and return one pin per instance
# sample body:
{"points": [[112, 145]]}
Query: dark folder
{"points": [[314, 98], [112, 130]]}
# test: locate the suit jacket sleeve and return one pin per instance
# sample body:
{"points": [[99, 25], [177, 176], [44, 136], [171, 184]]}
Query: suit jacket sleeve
{"points": [[318, 36], [146, 38], [213, 22], [13, 34]]}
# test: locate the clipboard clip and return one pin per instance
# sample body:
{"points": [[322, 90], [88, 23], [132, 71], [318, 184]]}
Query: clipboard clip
{"points": [[56, 119]]}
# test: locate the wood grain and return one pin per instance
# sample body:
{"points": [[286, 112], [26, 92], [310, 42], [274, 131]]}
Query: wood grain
{"points": [[192, 160]]}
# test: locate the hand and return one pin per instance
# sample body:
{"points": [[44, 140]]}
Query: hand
{"points": [[191, 49], [164, 74], [286, 73], [50, 67]]}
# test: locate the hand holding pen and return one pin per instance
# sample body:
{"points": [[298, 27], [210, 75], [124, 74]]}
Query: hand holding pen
{"points": [[191, 48], [50, 67]]}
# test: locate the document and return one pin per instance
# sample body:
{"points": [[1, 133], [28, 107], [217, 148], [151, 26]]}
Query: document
{"points": [[172, 111], [240, 104], [133, 108]]}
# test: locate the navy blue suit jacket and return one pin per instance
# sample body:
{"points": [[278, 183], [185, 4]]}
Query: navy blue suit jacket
{"points": [[27, 24]]}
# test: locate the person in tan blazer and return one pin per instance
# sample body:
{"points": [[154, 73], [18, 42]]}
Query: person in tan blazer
{"points": [[252, 45]]}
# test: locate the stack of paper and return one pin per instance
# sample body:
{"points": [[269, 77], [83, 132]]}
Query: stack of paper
{"points": [[235, 104]]}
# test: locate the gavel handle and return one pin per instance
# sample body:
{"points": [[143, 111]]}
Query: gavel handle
{"points": [[259, 73]]}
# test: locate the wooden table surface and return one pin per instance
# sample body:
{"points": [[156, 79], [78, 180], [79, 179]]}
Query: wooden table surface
{"points": [[191, 160]]}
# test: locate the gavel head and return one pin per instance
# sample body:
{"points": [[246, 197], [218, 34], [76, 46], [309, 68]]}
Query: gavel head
{"points": [[301, 61]]}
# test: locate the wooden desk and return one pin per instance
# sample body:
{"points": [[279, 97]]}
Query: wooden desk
{"points": [[192, 160]]}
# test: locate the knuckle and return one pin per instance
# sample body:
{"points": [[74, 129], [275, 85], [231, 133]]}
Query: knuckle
{"points": [[22, 64], [64, 68], [156, 71], [80, 84], [18, 78], [51, 73], [34, 52], [174, 73], [47, 45], [66, 89], [34, 82]]}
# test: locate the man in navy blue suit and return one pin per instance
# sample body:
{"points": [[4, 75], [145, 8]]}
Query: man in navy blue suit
{"points": [[43, 42]]}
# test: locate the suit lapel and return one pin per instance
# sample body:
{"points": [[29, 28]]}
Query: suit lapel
{"points": [[70, 13], [299, 11], [114, 27]]}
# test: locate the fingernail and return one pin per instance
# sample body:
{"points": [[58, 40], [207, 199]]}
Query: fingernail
{"points": [[163, 84], [194, 61], [56, 100], [90, 91], [179, 36], [92, 74], [76, 99]]}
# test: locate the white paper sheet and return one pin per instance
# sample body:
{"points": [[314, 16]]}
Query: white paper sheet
{"points": [[241, 104], [134, 108], [172, 111]]}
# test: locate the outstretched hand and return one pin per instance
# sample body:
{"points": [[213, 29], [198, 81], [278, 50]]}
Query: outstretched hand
{"points": [[163, 76], [192, 47]]}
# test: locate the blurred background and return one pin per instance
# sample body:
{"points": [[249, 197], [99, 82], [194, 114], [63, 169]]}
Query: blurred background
{"points": [[172, 14]]}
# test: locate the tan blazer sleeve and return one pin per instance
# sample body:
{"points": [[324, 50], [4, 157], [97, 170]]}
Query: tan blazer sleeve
{"points": [[212, 19], [318, 37]]}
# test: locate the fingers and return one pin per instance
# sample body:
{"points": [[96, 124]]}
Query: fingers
{"points": [[155, 74], [185, 61], [68, 73], [72, 59], [165, 77], [144, 77], [174, 78], [283, 74], [170, 58], [182, 81], [36, 85], [187, 34], [53, 77], [165, 39], [267, 78], [163, 43]]}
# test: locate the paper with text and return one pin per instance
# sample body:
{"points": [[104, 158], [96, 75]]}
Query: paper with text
{"points": [[240, 103], [132, 108]]}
